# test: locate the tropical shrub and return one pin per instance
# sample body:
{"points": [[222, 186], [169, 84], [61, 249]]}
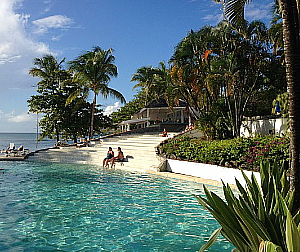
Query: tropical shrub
{"points": [[259, 218], [238, 152], [267, 148]]}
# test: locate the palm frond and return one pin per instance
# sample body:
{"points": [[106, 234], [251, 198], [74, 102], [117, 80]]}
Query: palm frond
{"points": [[234, 12]]}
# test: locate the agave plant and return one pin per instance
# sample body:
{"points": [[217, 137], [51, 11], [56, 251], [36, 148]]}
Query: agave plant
{"points": [[257, 218]]}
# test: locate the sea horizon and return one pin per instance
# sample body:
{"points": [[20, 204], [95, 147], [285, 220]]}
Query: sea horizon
{"points": [[28, 140], [17, 133]]}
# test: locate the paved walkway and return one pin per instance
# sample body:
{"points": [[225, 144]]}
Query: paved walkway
{"points": [[140, 147]]}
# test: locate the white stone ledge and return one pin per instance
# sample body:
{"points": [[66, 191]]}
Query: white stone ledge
{"points": [[208, 171]]}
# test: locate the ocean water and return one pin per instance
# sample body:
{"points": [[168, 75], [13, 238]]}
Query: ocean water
{"points": [[70, 207], [28, 140]]}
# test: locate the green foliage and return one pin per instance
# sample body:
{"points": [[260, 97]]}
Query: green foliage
{"points": [[215, 123], [76, 121], [125, 112], [50, 100], [221, 75], [62, 116], [282, 100], [153, 83], [218, 65], [238, 152], [93, 70], [258, 218], [267, 148]]}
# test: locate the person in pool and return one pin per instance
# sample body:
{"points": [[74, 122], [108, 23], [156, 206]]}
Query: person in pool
{"points": [[118, 158], [109, 157]]}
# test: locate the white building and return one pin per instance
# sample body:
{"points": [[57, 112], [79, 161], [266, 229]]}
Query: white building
{"points": [[158, 114]]}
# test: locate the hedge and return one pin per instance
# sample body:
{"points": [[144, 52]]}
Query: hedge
{"points": [[246, 153]]}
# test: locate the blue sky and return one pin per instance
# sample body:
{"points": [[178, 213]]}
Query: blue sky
{"points": [[141, 32]]}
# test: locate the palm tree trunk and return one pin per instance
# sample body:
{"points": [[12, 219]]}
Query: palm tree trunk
{"points": [[290, 17], [93, 116]]}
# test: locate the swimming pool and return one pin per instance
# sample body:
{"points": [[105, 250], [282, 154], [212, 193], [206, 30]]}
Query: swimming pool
{"points": [[68, 207]]}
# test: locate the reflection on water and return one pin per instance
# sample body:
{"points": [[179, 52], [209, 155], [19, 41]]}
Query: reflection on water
{"points": [[55, 207]]}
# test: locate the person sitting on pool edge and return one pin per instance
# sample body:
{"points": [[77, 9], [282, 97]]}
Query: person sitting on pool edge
{"points": [[109, 157], [118, 158]]}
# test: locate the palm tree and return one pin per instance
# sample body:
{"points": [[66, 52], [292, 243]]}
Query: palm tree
{"points": [[144, 77], [234, 12], [154, 81], [291, 39], [94, 69], [50, 71], [217, 63], [189, 70]]}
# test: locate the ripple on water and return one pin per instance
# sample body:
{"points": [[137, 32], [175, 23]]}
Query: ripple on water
{"points": [[56, 207]]}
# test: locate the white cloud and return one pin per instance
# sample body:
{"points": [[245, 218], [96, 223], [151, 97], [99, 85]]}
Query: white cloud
{"points": [[17, 122], [254, 11], [56, 38], [17, 48], [113, 108], [24, 117], [56, 21], [48, 6], [213, 18]]}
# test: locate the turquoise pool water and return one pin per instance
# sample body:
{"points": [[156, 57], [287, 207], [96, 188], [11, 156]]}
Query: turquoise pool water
{"points": [[59, 207]]}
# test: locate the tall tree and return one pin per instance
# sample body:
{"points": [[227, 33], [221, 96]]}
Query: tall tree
{"points": [[153, 81], [290, 17], [94, 69], [217, 63], [290, 9], [50, 71], [145, 78]]}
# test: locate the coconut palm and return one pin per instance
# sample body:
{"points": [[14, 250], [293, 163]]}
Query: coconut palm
{"points": [[94, 69], [234, 12], [291, 39], [218, 63], [144, 77], [50, 71], [154, 81], [190, 66]]}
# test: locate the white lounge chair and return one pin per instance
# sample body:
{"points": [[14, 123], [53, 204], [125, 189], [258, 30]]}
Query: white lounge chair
{"points": [[11, 146]]}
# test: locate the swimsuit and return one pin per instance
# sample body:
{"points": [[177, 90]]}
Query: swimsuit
{"points": [[109, 155]]}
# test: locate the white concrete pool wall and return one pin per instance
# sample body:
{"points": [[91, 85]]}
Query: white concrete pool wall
{"points": [[208, 171]]}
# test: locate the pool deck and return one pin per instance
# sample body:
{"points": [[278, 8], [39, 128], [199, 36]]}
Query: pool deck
{"points": [[138, 148], [141, 152], [14, 156]]}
